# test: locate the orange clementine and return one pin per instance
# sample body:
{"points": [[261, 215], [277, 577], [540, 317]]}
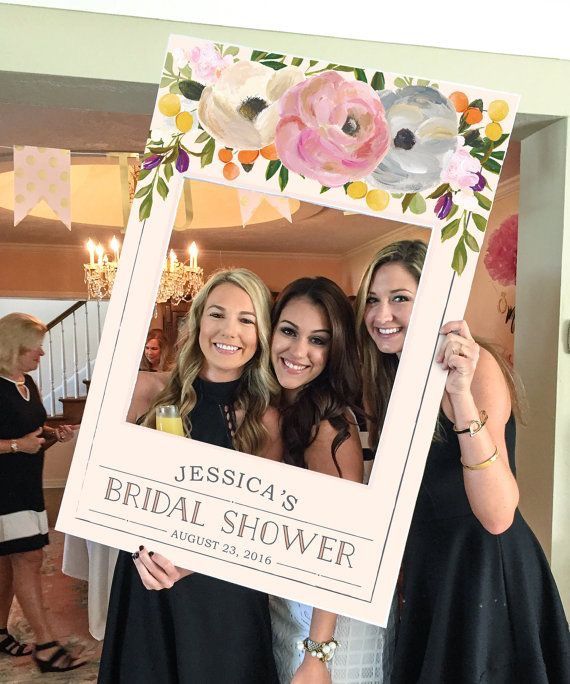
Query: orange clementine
{"points": [[460, 101], [473, 115], [270, 152], [248, 156], [231, 171], [225, 155]]}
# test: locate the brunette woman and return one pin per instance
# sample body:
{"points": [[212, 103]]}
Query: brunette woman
{"points": [[313, 357], [477, 600]]}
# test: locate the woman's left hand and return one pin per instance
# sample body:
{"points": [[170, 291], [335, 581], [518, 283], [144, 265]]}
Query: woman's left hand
{"points": [[64, 433], [312, 671], [156, 571], [459, 354]]}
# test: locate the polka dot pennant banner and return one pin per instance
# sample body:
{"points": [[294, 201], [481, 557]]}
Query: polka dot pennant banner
{"points": [[42, 173], [249, 201]]}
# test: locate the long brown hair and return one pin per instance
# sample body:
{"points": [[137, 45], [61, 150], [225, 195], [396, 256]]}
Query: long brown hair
{"points": [[166, 351], [257, 386], [379, 369], [337, 388]]}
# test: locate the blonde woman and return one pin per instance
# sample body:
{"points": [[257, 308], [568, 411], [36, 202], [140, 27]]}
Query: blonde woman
{"points": [[477, 601], [201, 629], [23, 519]]}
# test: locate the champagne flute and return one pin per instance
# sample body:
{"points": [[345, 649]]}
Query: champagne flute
{"points": [[168, 420]]}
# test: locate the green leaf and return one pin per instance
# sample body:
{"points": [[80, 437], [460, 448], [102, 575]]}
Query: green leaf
{"points": [[345, 186], [274, 55], [162, 188], [397, 195], [360, 75], [459, 258], [192, 90], [296, 61], [247, 167], [272, 168], [232, 50], [186, 72], [169, 63], [341, 67], [478, 103], [450, 230], [418, 204], [145, 207], [258, 55], [423, 82], [492, 166], [283, 177], [435, 85], [501, 140], [274, 65], [168, 171], [378, 82], [473, 138], [498, 155], [480, 222], [175, 88], [312, 63], [166, 80], [207, 153], [439, 191], [143, 173], [324, 188], [408, 197], [453, 211], [157, 150], [463, 125], [203, 137], [471, 242], [143, 191], [484, 202], [399, 82]]}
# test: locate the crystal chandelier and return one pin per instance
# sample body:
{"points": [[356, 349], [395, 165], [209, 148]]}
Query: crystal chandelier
{"points": [[179, 281]]}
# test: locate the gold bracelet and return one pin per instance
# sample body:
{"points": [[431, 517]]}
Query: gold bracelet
{"points": [[474, 426], [483, 464]]}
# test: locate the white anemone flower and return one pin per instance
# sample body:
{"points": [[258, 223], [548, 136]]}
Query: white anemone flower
{"points": [[240, 110]]}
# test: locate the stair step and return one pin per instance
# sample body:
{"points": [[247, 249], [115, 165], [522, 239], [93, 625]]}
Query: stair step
{"points": [[73, 408]]}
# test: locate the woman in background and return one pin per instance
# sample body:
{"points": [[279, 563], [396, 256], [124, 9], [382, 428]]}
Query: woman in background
{"points": [[477, 600], [312, 353], [198, 628], [23, 519], [158, 352]]}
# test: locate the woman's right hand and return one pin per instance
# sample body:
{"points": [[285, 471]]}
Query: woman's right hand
{"points": [[156, 571], [32, 442]]}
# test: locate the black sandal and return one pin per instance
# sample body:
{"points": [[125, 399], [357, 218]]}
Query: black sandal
{"points": [[49, 664], [13, 647]]}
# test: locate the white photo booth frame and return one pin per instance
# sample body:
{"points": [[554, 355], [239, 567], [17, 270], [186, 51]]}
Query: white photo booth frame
{"points": [[251, 521]]}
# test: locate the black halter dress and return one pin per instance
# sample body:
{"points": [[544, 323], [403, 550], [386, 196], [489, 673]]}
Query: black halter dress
{"points": [[203, 630]]}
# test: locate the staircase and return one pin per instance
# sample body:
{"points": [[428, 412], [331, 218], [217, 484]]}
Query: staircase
{"points": [[64, 373]]}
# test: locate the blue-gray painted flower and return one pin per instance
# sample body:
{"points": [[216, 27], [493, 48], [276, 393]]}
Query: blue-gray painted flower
{"points": [[423, 125]]}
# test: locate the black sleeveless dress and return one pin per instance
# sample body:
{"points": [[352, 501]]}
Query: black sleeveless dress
{"points": [[203, 630], [475, 608]]}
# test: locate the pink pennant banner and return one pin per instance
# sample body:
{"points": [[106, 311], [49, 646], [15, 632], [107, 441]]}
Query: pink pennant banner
{"points": [[42, 173]]}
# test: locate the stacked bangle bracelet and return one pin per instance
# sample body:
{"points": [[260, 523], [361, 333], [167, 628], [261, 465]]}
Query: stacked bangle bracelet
{"points": [[323, 650], [484, 464], [474, 426]]}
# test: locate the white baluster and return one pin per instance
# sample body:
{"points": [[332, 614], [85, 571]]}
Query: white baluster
{"points": [[51, 378], [75, 363], [87, 345], [63, 359]]}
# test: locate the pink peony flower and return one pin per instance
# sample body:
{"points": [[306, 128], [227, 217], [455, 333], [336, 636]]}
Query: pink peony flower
{"points": [[460, 169], [207, 63], [332, 129], [501, 256]]}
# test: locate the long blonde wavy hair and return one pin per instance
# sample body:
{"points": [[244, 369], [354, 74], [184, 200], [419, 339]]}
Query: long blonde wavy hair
{"points": [[257, 387], [379, 369]]}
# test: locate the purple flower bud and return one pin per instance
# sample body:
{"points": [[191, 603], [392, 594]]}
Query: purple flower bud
{"points": [[443, 205], [480, 184], [182, 161], [152, 161]]}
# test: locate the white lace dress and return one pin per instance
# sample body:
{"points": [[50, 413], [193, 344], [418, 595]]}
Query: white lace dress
{"points": [[363, 657]]}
